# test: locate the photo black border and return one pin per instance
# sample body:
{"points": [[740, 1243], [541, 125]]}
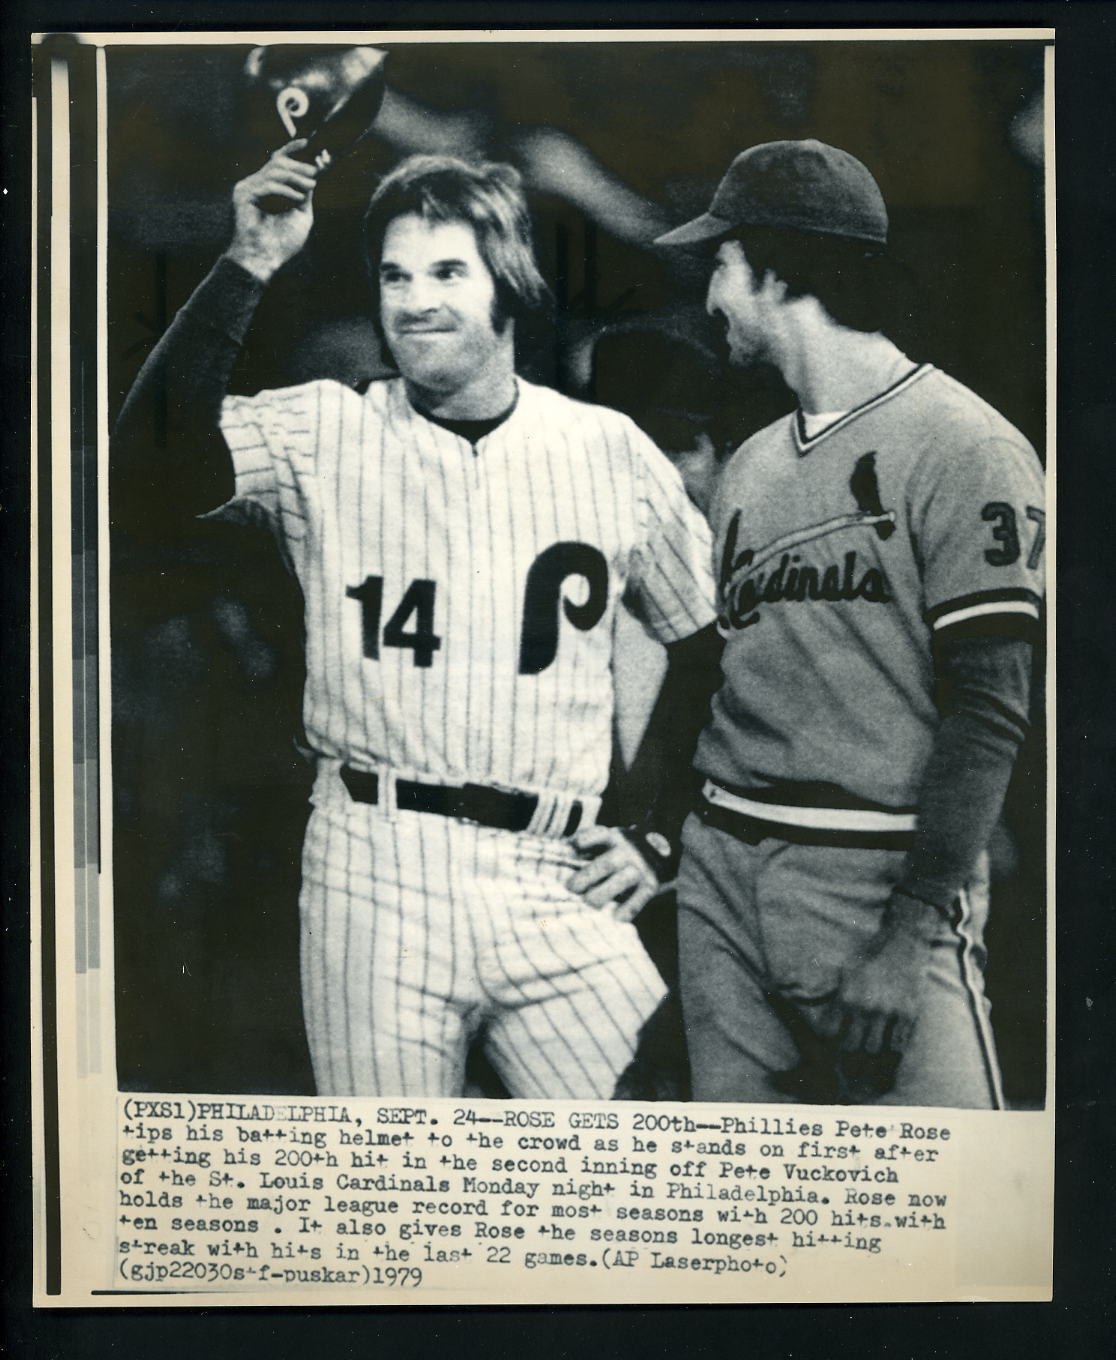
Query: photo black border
{"points": [[1082, 1315]]}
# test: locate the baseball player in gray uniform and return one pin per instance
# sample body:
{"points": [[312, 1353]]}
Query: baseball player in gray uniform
{"points": [[880, 560], [464, 541]]}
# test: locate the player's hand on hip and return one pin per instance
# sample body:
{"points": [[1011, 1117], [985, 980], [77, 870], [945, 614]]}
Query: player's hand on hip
{"points": [[615, 872], [264, 241], [879, 995]]}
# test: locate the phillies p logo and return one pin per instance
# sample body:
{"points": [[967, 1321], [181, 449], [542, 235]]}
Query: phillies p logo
{"points": [[544, 603]]}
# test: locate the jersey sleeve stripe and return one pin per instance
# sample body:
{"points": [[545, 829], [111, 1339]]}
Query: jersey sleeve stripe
{"points": [[1024, 627], [983, 610], [1010, 600]]}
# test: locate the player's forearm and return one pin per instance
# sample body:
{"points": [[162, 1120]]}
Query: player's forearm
{"points": [[187, 373], [986, 685], [665, 769], [167, 446], [682, 711]]}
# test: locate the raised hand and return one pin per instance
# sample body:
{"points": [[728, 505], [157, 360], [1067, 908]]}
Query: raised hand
{"points": [[263, 240]]}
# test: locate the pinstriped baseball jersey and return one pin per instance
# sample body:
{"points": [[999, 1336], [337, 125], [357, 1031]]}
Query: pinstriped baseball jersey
{"points": [[842, 556], [459, 601]]}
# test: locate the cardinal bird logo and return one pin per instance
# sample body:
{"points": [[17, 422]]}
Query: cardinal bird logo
{"points": [[866, 488]]}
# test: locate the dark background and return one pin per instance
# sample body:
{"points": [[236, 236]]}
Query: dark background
{"points": [[616, 143], [1081, 1317], [951, 131]]}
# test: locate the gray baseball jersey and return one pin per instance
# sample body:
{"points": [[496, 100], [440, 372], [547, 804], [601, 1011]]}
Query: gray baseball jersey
{"points": [[844, 555]]}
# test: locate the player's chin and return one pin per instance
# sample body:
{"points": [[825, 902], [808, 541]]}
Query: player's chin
{"points": [[422, 349], [427, 370]]}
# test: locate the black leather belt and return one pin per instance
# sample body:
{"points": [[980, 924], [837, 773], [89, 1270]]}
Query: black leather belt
{"points": [[505, 809], [752, 830]]}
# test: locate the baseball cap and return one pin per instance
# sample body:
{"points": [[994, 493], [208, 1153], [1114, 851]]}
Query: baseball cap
{"points": [[806, 185]]}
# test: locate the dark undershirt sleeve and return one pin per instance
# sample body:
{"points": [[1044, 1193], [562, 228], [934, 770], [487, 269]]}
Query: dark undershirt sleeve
{"points": [[984, 693], [168, 456], [682, 710]]}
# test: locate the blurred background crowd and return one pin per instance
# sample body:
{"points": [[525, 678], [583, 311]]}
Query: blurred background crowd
{"points": [[616, 143]]}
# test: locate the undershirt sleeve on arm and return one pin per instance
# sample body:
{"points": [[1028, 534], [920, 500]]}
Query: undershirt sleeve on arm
{"points": [[167, 449], [680, 713], [984, 691]]}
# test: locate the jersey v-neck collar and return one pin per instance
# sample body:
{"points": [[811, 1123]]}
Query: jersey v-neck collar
{"points": [[806, 442], [472, 431]]}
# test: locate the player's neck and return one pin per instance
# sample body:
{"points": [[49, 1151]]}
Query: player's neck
{"points": [[484, 397], [832, 368]]}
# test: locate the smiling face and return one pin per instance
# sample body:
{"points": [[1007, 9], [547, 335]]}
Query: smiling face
{"points": [[743, 305], [438, 309]]}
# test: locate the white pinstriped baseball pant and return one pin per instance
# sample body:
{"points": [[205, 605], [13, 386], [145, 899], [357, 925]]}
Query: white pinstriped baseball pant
{"points": [[420, 932], [773, 919]]}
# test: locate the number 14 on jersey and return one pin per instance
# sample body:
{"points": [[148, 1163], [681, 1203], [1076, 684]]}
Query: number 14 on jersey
{"points": [[417, 601]]}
